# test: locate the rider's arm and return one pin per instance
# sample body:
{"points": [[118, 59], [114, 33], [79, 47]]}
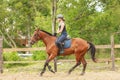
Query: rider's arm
{"points": [[61, 29], [58, 30]]}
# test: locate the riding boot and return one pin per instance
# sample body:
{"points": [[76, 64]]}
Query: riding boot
{"points": [[61, 48]]}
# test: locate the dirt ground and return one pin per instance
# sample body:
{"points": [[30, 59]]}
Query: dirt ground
{"points": [[94, 71], [104, 75]]}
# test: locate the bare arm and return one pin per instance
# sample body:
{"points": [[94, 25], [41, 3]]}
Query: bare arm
{"points": [[61, 29]]}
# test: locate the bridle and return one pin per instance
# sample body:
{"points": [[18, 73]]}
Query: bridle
{"points": [[35, 38]]}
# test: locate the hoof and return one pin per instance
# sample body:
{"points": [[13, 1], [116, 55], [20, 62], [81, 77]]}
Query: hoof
{"points": [[82, 74], [69, 72], [41, 74], [53, 71]]}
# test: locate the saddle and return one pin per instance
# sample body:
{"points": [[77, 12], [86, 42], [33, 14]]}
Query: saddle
{"points": [[67, 42]]}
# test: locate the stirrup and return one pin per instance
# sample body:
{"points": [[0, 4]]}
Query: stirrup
{"points": [[61, 51]]}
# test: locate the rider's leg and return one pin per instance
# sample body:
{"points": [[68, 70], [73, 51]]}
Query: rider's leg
{"points": [[59, 43]]}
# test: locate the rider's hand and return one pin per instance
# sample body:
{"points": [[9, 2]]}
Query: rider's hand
{"points": [[54, 34]]}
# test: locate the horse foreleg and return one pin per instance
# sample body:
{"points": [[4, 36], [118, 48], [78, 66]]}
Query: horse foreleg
{"points": [[77, 64], [44, 68], [50, 69], [51, 57], [84, 65]]}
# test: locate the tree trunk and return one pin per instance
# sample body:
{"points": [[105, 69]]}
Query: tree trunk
{"points": [[54, 7], [12, 41], [6, 40]]}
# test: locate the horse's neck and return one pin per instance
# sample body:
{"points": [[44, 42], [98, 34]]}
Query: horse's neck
{"points": [[47, 39]]}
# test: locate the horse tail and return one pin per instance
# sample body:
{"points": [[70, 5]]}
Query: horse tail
{"points": [[92, 50]]}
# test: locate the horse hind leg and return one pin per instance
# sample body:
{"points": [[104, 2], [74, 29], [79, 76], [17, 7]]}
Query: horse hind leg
{"points": [[80, 58], [84, 65], [77, 63]]}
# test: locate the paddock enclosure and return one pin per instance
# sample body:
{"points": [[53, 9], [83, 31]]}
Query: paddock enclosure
{"points": [[112, 58], [107, 69]]}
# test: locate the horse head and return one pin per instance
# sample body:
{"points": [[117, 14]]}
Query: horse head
{"points": [[35, 37]]}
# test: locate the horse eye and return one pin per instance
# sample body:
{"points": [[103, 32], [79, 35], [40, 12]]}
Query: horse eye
{"points": [[35, 35]]}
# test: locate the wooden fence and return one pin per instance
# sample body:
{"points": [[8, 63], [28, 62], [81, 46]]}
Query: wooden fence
{"points": [[112, 46], [23, 49], [1, 58]]}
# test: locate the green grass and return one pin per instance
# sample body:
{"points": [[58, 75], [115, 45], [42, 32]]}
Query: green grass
{"points": [[41, 55], [62, 66], [14, 65]]}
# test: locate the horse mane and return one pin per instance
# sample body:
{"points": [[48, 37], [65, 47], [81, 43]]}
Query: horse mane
{"points": [[46, 32]]}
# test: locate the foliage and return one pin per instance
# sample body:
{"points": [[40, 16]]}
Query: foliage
{"points": [[84, 20], [14, 65], [19, 17], [13, 56], [39, 55], [92, 20]]}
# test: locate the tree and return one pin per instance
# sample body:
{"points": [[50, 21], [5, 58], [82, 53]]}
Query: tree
{"points": [[20, 18], [85, 19], [93, 20]]}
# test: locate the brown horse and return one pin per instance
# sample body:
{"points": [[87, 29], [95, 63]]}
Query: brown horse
{"points": [[78, 47]]}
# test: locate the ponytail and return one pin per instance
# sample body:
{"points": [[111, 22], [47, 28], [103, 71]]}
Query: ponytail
{"points": [[63, 19]]}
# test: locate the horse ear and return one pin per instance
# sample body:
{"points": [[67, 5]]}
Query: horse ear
{"points": [[36, 28]]}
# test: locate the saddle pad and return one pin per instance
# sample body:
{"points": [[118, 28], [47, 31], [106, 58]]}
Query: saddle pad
{"points": [[67, 43]]}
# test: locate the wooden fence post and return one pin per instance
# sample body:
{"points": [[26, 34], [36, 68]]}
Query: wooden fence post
{"points": [[1, 58], [112, 52], [54, 8]]}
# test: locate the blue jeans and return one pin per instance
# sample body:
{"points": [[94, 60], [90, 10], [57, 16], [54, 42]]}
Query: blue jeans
{"points": [[60, 39], [58, 42]]}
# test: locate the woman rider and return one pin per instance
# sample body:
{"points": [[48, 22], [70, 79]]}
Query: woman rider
{"points": [[63, 33]]}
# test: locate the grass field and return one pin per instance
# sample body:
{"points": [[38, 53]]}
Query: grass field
{"points": [[94, 71]]}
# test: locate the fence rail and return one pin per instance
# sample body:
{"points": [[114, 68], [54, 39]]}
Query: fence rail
{"points": [[88, 60], [43, 48], [107, 46], [22, 49], [103, 46]]}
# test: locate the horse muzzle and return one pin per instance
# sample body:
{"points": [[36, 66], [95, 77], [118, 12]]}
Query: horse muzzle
{"points": [[32, 42]]}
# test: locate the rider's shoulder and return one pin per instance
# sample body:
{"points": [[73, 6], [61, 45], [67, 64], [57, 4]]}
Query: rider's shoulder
{"points": [[62, 23]]}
